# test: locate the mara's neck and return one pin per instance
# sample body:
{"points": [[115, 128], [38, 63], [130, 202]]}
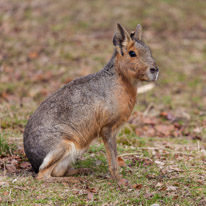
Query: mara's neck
{"points": [[113, 68]]}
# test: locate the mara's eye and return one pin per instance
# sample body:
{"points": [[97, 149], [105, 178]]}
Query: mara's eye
{"points": [[132, 54]]}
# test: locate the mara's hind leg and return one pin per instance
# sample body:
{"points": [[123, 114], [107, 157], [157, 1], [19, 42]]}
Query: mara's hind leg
{"points": [[56, 164], [62, 168], [49, 163]]}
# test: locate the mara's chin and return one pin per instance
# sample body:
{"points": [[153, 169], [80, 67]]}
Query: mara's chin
{"points": [[152, 77], [147, 79]]}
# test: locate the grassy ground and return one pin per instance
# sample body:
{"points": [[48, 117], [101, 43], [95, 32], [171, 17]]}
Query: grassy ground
{"points": [[45, 44]]}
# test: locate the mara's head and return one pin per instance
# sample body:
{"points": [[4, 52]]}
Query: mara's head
{"points": [[134, 58]]}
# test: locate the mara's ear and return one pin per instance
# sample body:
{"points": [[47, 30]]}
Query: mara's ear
{"points": [[137, 34], [121, 36]]}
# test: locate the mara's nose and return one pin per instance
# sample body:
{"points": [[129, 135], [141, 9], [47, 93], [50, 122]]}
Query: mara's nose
{"points": [[154, 70]]}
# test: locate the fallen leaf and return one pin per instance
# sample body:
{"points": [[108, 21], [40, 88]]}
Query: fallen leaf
{"points": [[123, 182], [176, 133], [90, 196], [150, 121], [174, 169], [11, 168], [147, 162], [14, 162], [151, 176], [164, 129], [171, 188], [159, 184], [138, 132], [177, 125], [137, 186], [181, 114], [6, 193], [4, 184], [148, 195], [163, 114], [159, 162], [198, 129], [98, 162], [93, 190], [196, 137], [169, 116], [4, 95], [151, 132], [25, 165], [33, 55], [121, 162]]}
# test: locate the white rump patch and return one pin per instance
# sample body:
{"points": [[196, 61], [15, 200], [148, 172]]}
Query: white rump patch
{"points": [[68, 157], [73, 153], [50, 158]]}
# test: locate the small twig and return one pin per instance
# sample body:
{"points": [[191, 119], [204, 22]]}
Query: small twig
{"points": [[4, 168], [198, 145], [151, 148], [10, 113], [9, 192], [129, 154], [155, 148], [19, 188], [150, 106]]}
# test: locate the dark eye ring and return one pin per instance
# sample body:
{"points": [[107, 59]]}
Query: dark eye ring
{"points": [[132, 54]]}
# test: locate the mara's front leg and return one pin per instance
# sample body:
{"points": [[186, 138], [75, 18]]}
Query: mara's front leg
{"points": [[111, 150]]}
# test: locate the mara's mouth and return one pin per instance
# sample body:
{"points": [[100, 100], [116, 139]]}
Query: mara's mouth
{"points": [[152, 77]]}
